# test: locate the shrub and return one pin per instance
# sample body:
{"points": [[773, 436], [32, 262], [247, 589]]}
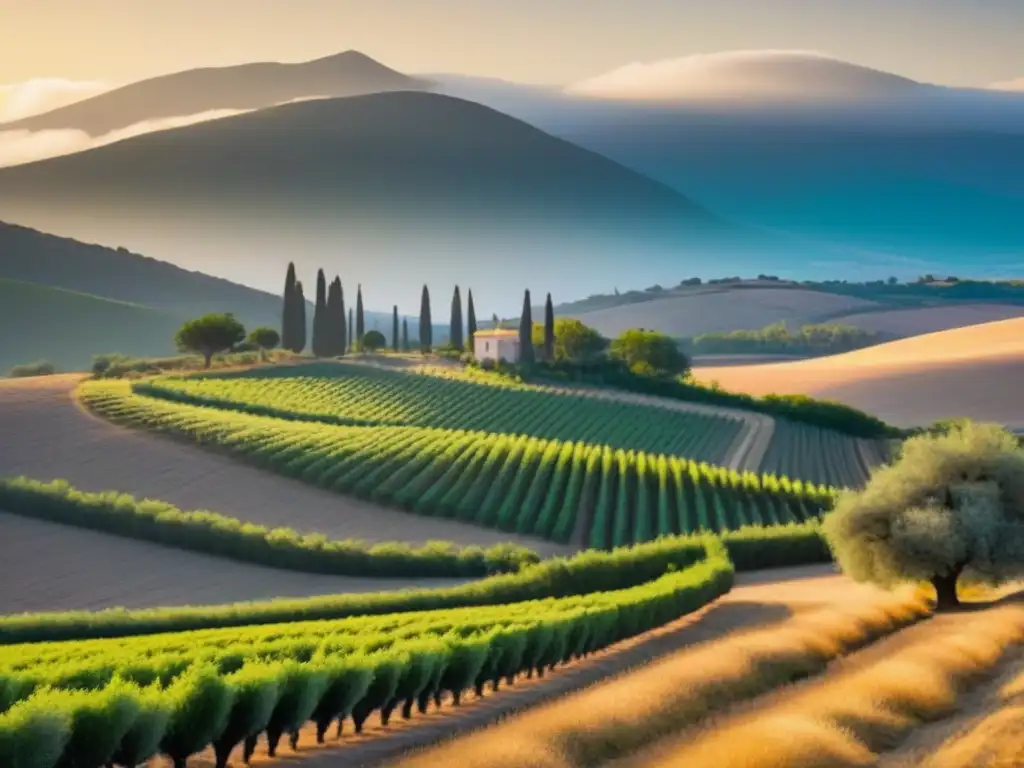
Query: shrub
{"points": [[38, 368], [373, 341]]}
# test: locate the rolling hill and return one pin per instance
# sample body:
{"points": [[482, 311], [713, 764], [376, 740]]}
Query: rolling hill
{"points": [[241, 87], [973, 371], [397, 189], [68, 328]]}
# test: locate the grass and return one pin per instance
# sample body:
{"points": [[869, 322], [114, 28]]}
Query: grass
{"points": [[848, 719], [624, 715]]}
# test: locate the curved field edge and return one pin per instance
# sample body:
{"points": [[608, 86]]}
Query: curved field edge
{"points": [[853, 715], [583, 573], [552, 490], [624, 714], [212, 533], [204, 685]]}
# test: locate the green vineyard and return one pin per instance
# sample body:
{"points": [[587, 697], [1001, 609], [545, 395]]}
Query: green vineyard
{"points": [[561, 490], [820, 455], [362, 395], [93, 703]]}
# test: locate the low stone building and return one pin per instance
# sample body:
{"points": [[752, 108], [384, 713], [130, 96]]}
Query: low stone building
{"points": [[497, 344]]}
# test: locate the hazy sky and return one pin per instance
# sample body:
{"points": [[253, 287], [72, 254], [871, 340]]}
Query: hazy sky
{"points": [[956, 42]]}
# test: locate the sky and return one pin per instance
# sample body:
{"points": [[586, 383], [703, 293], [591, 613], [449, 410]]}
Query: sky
{"points": [[952, 42]]}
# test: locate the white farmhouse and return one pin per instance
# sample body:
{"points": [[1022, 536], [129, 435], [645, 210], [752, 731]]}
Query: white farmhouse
{"points": [[497, 344]]}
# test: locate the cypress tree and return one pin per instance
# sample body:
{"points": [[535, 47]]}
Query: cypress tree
{"points": [[426, 326], [333, 347], [394, 329], [360, 319], [342, 323], [526, 331], [455, 334], [320, 316], [351, 327], [549, 330], [300, 319], [288, 311], [470, 321], [405, 334]]}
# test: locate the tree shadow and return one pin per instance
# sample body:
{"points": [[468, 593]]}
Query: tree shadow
{"points": [[1013, 598]]}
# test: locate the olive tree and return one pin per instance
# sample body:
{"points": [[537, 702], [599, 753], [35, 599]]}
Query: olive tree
{"points": [[951, 505], [209, 334]]}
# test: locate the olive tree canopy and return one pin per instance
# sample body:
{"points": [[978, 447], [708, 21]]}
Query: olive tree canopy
{"points": [[952, 504]]}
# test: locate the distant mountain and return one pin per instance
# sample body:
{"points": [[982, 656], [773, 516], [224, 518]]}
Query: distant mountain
{"points": [[241, 87], [390, 190], [39, 322], [31, 256]]}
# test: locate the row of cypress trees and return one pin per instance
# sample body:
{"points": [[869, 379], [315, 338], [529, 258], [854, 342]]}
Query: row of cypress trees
{"points": [[526, 351], [334, 335]]}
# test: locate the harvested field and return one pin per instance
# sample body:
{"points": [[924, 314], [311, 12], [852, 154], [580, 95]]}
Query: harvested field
{"points": [[712, 309], [47, 435], [49, 567], [973, 372], [914, 321], [864, 706]]}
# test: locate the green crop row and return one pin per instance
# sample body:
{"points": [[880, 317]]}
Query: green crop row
{"points": [[337, 393], [205, 531], [125, 706], [818, 455], [515, 483], [588, 571]]}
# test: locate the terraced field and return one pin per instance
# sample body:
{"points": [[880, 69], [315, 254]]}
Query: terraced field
{"points": [[338, 393], [565, 491]]}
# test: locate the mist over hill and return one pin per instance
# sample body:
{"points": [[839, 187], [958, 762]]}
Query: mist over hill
{"points": [[391, 190]]}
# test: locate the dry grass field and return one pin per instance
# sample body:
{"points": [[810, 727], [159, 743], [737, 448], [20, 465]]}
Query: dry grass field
{"points": [[714, 308], [49, 567], [914, 321], [46, 435], [974, 371]]}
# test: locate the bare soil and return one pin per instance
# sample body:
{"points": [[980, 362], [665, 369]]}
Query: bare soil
{"points": [[974, 371], [45, 566], [46, 435]]}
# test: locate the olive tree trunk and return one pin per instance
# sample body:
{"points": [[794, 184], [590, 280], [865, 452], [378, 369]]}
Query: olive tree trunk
{"points": [[945, 589]]}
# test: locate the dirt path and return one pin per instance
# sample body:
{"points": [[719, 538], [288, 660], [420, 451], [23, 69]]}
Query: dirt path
{"points": [[45, 566], [46, 435], [757, 600]]}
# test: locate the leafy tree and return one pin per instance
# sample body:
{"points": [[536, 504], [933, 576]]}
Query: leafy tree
{"points": [[332, 344], [209, 334], [526, 331], [288, 311], [426, 324], [300, 319], [549, 330], [455, 334], [574, 340], [394, 328], [351, 329], [265, 338], [405, 334], [360, 319], [952, 505], [321, 346], [649, 352], [470, 321], [373, 341]]}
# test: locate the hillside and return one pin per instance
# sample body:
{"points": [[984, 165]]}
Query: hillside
{"points": [[241, 87], [382, 185], [68, 328], [973, 371]]}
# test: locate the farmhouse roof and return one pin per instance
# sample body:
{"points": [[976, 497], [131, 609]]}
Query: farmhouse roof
{"points": [[496, 332]]}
